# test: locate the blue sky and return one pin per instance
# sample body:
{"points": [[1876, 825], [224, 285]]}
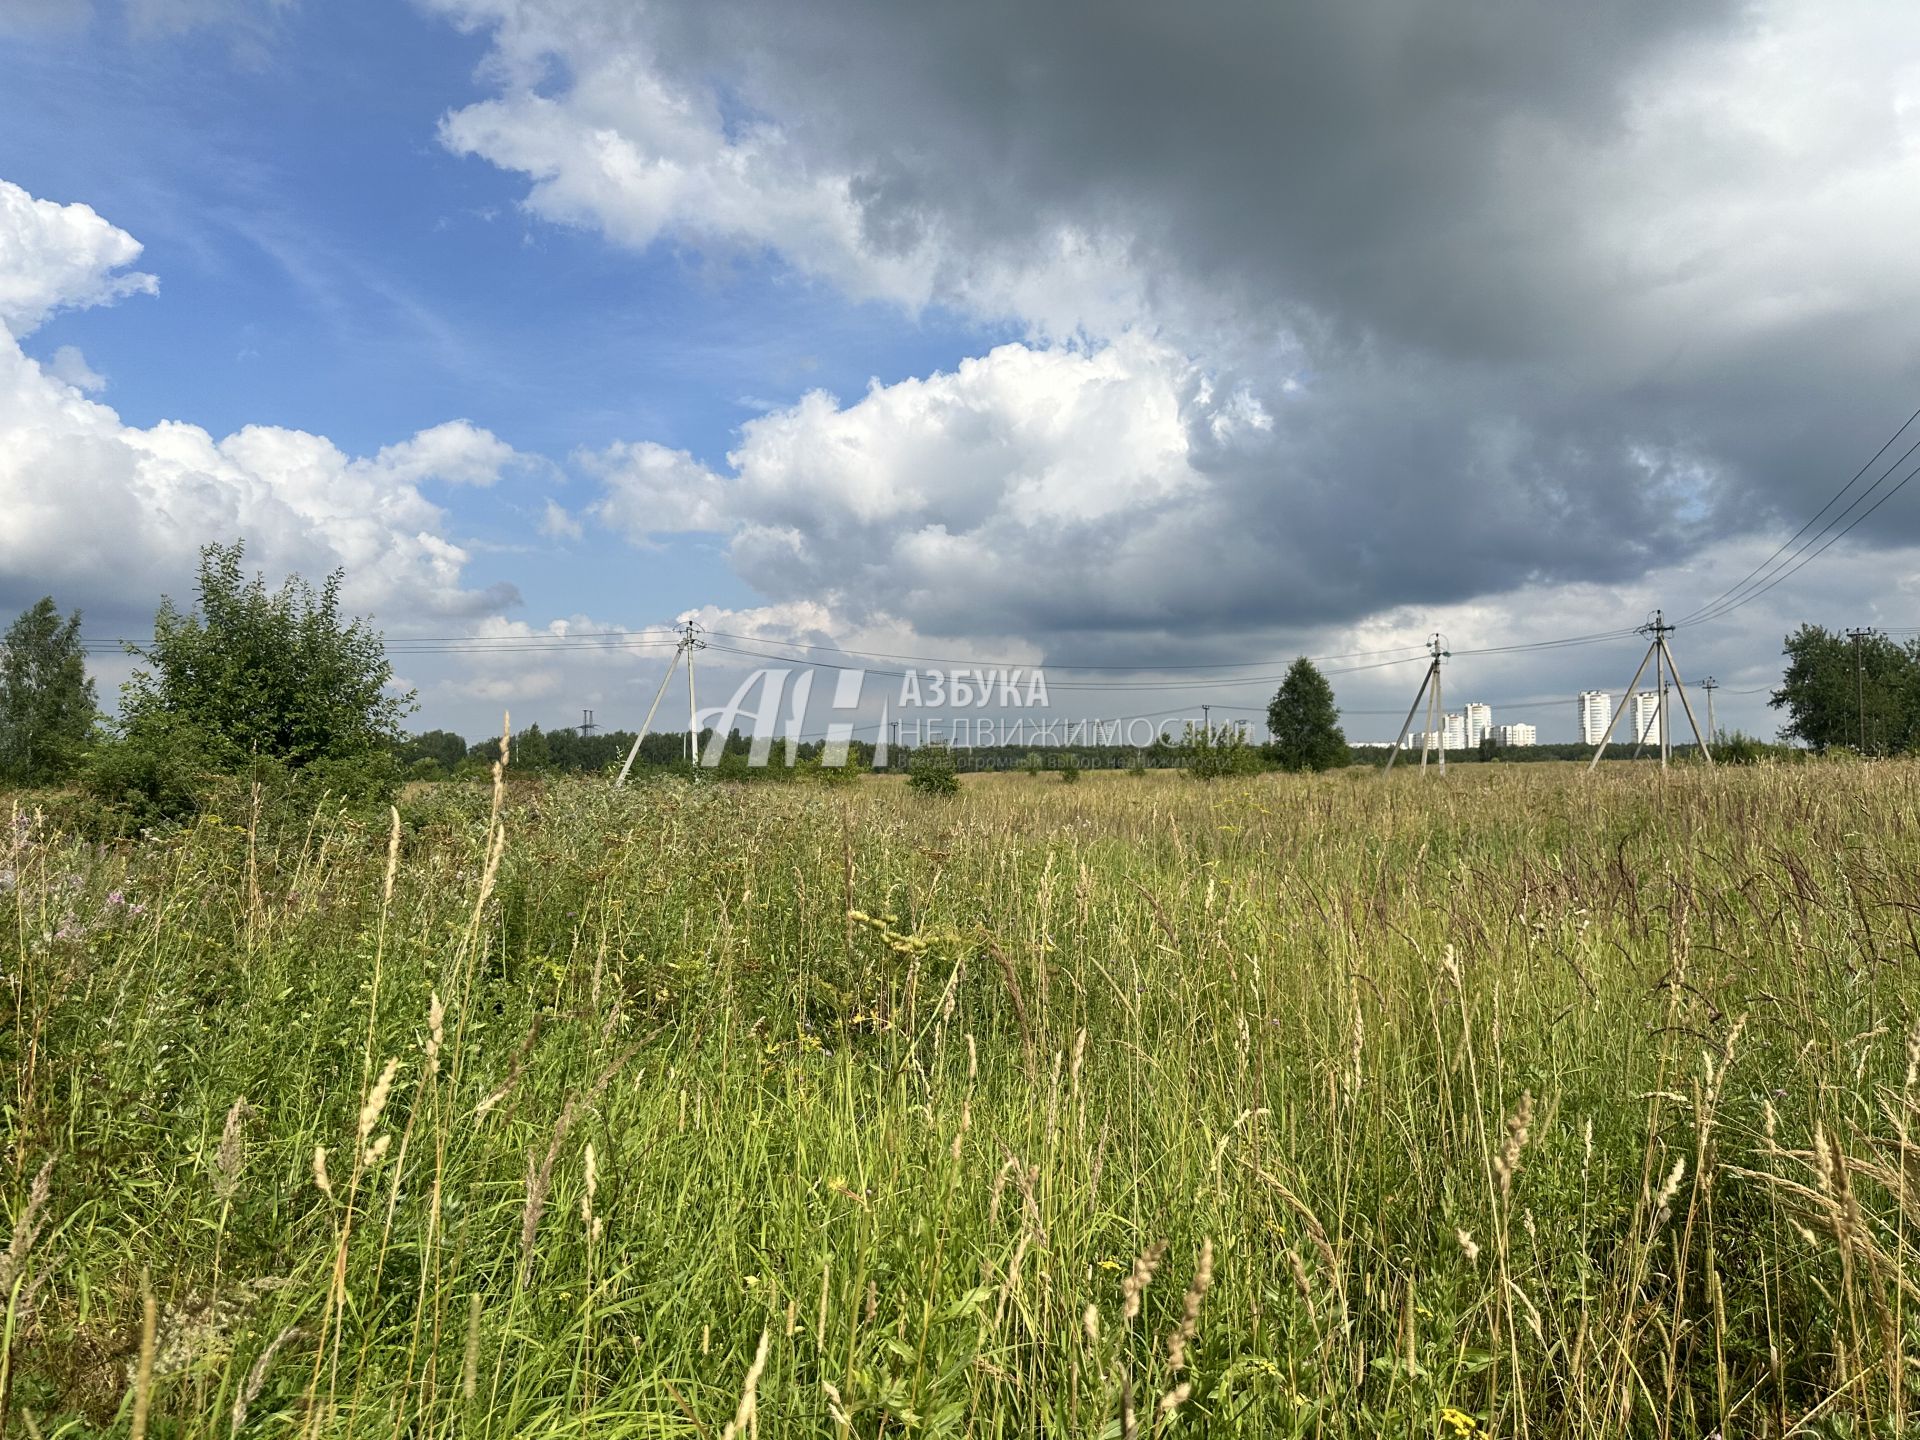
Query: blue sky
{"points": [[1124, 334], [327, 265]]}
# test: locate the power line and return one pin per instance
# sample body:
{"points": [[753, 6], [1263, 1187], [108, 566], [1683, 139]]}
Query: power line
{"points": [[1053, 664], [1731, 598], [1807, 557], [1212, 683]]}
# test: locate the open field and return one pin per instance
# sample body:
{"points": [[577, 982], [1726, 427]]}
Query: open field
{"points": [[1362, 1105]]}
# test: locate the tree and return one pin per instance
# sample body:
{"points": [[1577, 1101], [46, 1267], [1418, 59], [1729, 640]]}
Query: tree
{"points": [[254, 677], [1305, 722], [443, 747], [47, 704], [1829, 684]]}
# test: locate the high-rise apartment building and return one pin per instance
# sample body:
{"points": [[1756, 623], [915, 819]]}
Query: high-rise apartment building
{"points": [[1456, 732], [1646, 717], [1478, 722], [1594, 709], [1520, 734]]}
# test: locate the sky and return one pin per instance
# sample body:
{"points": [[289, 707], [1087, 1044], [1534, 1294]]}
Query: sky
{"points": [[1154, 345]]}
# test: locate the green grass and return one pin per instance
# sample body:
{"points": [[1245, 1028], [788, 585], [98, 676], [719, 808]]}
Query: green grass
{"points": [[1522, 1102]]}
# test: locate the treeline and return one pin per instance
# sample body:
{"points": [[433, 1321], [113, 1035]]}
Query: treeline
{"points": [[1489, 753], [444, 755], [253, 696]]}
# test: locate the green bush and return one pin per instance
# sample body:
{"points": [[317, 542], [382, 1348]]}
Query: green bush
{"points": [[815, 769], [932, 771], [1219, 755], [1737, 748], [1070, 770], [264, 688], [155, 773]]}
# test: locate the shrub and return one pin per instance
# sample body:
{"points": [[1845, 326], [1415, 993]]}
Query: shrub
{"points": [[1070, 770], [816, 769], [1738, 748], [1219, 754], [932, 771]]}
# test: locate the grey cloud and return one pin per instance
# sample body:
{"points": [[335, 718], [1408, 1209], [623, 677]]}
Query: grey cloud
{"points": [[1535, 294]]}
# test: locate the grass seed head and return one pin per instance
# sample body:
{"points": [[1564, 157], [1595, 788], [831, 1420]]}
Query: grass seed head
{"points": [[1189, 1326], [231, 1157], [1519, 1131], [257, 1379], [1144, 1266], [376, 1100], [1663, 1202], [746, 1415]]}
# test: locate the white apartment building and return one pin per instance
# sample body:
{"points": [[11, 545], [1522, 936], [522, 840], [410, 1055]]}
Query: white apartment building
{"points": [[1646, 717], [1478, 719], [1455, 735], [1520, 734], [1594, 709]]}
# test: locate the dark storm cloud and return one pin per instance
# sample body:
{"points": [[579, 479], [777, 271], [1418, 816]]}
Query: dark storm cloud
{"points": [[1532, 294]]}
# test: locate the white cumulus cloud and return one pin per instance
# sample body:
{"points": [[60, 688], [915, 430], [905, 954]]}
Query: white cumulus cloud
{"points": [[109, 514], [59, 257]]}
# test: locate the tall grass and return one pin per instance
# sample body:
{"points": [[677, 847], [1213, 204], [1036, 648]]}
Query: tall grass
{"points": [[1528, 1104]]}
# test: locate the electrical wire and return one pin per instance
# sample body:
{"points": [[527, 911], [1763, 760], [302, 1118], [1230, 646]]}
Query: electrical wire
{"points": [[1731, 598]]}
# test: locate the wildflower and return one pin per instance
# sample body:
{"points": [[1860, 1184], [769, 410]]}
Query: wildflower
{"points": [[1460, 1421]]}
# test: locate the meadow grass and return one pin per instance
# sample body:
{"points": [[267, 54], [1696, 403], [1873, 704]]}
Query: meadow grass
{"points": [[1524, 1103]]}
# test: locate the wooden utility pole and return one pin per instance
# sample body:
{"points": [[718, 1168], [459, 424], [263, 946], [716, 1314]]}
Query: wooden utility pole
{"points": [[1860, 683], [1429, 691]]}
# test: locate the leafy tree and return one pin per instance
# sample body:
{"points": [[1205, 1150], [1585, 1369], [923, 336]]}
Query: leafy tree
{"points": [[1305, 722], [257, 681], [47, 705], [531, 750], [931, 770], [1822, 691], [441, 746]]}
